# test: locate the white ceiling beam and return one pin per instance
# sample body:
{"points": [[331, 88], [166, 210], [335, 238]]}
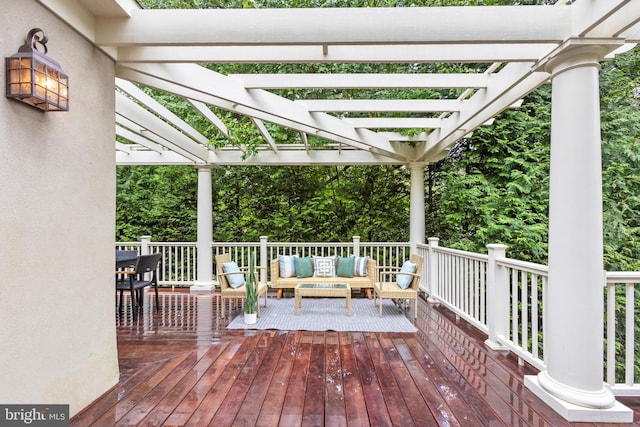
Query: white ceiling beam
{"points": [[265, 133], [137, 138], [208, 114], [328, 26], [195, 82], [146, 120], [263, 158], [394, 122], [509, 85], [362, 81], [324, 53], [122, 147], [604, 19], [153, 105], [151, 158], [394, 136], [381, 105], [148, 141]]}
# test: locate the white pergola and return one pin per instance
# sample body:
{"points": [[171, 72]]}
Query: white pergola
{"points": [[162, 49], [518, 48]]}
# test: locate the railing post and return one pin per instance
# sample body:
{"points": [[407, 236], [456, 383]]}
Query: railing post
{"points": [[356, 245], [497, 298], [144, 245], [432, 272], [264, 261]]}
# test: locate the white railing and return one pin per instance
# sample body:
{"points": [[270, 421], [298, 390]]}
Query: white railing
{"points": [[178, 264], [621, 301], [178, 261], [502, 297], [505, 298]]}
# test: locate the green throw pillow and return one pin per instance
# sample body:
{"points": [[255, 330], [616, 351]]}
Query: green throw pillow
{"points": [[304, 268], [345, 266]]}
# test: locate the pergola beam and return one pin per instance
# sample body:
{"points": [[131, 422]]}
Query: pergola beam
{"points": [[362, 81], [281, 157], [338, 53], [382, 105], [394, 122], [337, 26]]}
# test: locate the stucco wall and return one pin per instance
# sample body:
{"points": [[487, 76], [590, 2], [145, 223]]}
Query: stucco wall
{"points": [[57, 213]]}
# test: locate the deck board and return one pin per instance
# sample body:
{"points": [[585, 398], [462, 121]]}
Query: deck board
{"points": [[183, 367]]}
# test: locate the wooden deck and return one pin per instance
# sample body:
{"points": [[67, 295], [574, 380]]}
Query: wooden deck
{"points": [[182, 367]]}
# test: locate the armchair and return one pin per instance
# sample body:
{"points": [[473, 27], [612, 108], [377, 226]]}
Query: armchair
{"points": [[386, 288], [240, 292]]}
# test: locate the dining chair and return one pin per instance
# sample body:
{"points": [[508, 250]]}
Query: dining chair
{"points": [[136, 279], [126, 258]]}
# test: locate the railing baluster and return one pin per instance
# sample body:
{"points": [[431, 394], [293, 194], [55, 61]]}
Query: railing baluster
{"points": [[611, 333], [629, 334]]}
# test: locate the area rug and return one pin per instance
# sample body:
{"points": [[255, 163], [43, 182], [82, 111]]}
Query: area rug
{"points": [[328, 314]]}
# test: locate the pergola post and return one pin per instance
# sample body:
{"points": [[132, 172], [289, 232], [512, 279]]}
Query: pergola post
{"points": [[416, 209], [204, 276], [572, 382]]}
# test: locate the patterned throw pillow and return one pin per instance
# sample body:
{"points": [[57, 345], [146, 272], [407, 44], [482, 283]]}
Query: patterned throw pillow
{"points": [[345, 266], [360, 266], [287, 266], [235, 280], [324, 266], [404, 280]]}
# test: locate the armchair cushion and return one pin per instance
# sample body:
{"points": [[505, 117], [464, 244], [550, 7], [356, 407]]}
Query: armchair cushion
{"points": [[404, 280], [303, 267], [345, 266], [235, 280]]}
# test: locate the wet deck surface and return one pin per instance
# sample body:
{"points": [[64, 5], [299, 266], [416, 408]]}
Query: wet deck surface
{"points": [[181, 366]]}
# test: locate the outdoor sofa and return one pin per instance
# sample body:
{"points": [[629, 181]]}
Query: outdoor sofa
{"points": [[358, 272]]}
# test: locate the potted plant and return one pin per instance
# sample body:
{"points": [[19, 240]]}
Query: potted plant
{"points": [[251, 286]]}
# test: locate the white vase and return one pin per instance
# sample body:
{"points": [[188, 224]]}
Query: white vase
{"points": [[250, 318]]}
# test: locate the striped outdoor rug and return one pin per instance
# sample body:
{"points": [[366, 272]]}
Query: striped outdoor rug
{"points": [[328, 314]]}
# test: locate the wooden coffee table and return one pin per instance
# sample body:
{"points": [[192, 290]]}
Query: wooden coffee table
{"points": [[322, 290]]}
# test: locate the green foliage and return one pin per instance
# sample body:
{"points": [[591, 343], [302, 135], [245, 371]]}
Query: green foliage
{"points": [[160, 201], [494, 185], [251, 287], [620, 93]]}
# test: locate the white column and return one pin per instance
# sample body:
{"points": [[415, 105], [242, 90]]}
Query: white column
{"points": [[573, 381], [416, 210], [204, 276]]}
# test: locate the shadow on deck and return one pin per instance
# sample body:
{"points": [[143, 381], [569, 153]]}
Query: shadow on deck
{"points": [[181, 366]]}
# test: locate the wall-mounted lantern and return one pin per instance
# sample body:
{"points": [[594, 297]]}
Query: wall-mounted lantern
{"points": [[36, 79]]}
